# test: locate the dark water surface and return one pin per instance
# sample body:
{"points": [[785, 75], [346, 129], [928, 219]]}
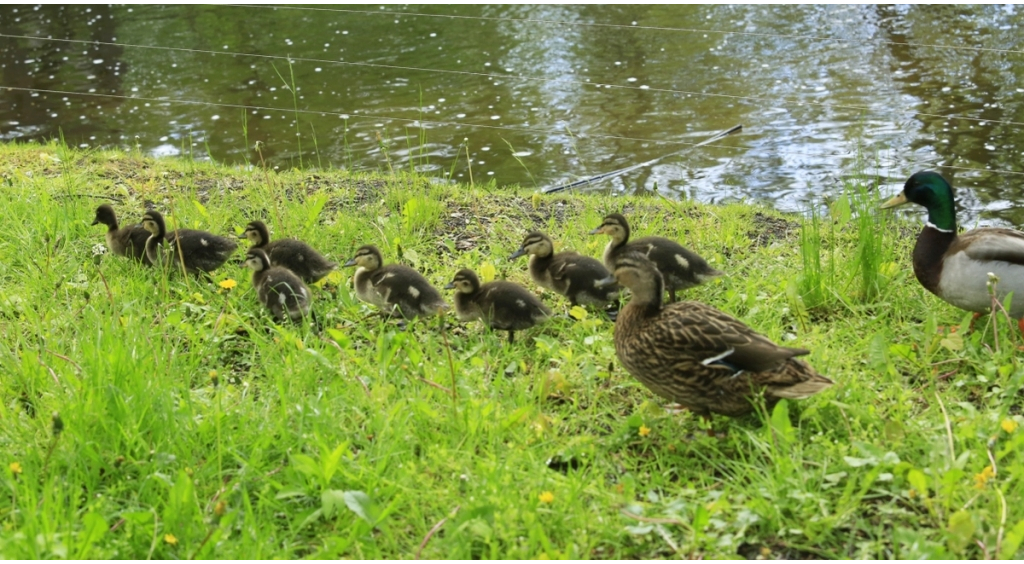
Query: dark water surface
{"points": [[540, 95]]}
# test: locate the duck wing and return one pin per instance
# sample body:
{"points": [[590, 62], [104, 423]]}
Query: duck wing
{"points": [[992, 243], [715, 337]]}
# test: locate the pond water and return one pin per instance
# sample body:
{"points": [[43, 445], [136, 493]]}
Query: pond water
{"points": [[543, 95]]}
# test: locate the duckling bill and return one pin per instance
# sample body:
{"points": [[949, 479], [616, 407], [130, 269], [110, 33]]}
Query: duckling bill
{"points": [[698, 356], [567, 273], [395, 286], [499, 304], [292, 254], [129, 241]]}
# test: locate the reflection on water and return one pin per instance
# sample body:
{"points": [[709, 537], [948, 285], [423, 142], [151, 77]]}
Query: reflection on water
{"points": [[541, 95]]}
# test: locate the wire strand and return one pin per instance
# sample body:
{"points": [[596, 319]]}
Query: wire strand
{"points": [[346, 115], [777, 102], [624, 26]]}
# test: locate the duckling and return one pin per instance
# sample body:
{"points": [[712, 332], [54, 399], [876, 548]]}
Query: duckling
{"points": [[292, 254], [499, 304], [127, 241], [278, 288], [955, 267], [394, 286], [567, 273], [198, 251], [680, 267], [698, 356]]}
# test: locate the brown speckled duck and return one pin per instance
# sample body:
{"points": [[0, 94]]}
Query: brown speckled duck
{"points": [[955, 267], [570, 274], [394, 286], [698, 356], [499, 305], [278, 288], [198, 251], [128, 241], [680, 267], [292, 254]]}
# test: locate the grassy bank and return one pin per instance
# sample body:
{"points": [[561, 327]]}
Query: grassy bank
{"points": [[194, 427]]}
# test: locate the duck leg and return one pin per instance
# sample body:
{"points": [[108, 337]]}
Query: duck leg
{"points": [[671, 295], [511, 336]]}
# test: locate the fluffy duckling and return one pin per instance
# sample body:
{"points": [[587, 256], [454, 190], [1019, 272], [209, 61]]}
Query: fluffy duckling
{"points": [[698, 356], [570, 274], [499, 304], [127, 241], [680, 267], [394, 286], [199, 251], [955, 267], [278, 288], [292, 254]]}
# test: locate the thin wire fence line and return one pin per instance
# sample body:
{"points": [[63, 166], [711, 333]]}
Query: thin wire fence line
{"points": [[624, 26], [776, 102], [415, 122]]}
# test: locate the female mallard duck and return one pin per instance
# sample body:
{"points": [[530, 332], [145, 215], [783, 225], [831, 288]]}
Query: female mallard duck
{"points": [[499, 304], [124, 242], [699, 357], [680, 267], [292, 254], [955, 267], [278, 288], [197, 251], [567, 273], [394, 286]]}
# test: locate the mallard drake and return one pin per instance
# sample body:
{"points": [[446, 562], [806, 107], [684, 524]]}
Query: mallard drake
{"points": [[278, 288], [292, 254], [698, 356], [955, 267], [127, 241], [680, 267], [499, 304], [198, 251], [394, 286], [567, 273]]}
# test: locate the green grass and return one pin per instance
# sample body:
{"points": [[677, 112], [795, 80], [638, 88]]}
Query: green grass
{"points": [[195, 427]]}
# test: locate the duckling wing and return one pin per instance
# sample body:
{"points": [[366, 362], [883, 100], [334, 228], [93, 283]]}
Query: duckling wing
{"points": [[992, 243], [716, 337]]}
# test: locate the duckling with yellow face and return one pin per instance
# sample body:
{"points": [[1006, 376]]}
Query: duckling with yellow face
{"points": [[394, 286], [292, 254], [278, 288], [570, 274], [499, 304], [193, 250]]}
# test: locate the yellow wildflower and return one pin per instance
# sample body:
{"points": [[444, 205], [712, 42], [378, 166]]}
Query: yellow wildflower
{"points": [[983, 477], [227, 284], [171, 539], [1009, 425], [547, 497], [15, 467], [644, 430]]}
